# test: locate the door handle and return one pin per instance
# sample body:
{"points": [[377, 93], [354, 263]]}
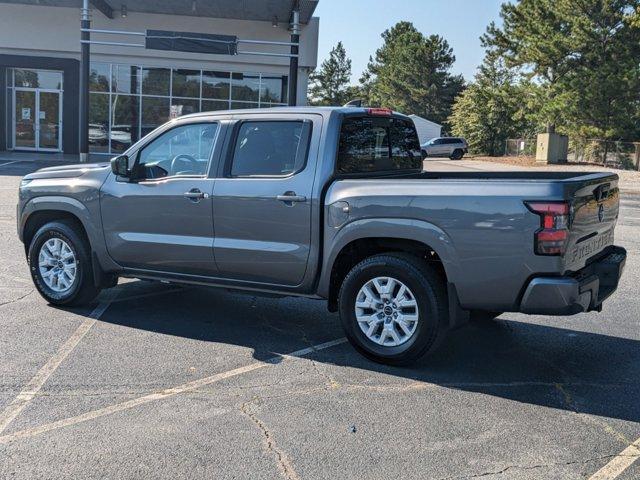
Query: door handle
{"points": [[195, 195], [290, 197]]}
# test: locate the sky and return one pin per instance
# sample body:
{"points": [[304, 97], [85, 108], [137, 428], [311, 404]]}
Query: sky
{"points": [[359, 23]]}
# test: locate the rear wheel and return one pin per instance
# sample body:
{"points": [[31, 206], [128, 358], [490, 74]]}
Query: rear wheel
{"points": [[60, 265], [393, 308], [457, 154]]}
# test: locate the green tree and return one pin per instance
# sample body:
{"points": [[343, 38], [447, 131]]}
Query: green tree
{"points": [[491, 109], [411, 73], [330, 84], [584, 56]]}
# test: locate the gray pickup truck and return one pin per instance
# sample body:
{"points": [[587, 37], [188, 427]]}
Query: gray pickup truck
{"points": [[327, 203]]}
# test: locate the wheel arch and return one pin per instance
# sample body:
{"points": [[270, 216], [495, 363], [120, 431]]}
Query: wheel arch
{"points": [[41, 210], [364, 238]]}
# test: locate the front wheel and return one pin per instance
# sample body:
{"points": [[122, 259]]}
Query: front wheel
{"points": [[60, 264], [393, 308]]}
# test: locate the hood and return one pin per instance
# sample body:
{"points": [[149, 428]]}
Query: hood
{"points": [[67, 171]]}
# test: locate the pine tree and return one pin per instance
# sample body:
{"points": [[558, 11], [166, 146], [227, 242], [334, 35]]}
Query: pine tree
{"points": [[584, 55], [411, 73], [490, 110], [330, 84]]}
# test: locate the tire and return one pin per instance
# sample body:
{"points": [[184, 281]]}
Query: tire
{"points": [[483, 316], [426, 289], [79, 291], [457, 154]]}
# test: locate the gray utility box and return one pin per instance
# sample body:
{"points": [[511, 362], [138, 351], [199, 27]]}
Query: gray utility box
{"points": [[552, 148]]}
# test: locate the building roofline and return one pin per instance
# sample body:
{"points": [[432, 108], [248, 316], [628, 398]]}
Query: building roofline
{"points": [[256, 10]]}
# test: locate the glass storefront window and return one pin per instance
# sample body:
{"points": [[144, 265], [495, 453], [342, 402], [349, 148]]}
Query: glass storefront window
{"points": [[239, 105], [213, 105], [155, 112], [125, 79], [245, 87], [99, 122], [273, 89], [186, 83], [37, 79], [125, 118], [216, 85], [184, 106], [156, 81], [99, 74], [137, 99]]}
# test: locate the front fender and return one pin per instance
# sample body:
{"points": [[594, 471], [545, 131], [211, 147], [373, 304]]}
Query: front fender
{"points": [[89, 219], [59, 203], [400, 228]]}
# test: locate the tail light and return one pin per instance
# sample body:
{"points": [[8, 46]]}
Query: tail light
{"points": [[380, 111], [552, 237]]}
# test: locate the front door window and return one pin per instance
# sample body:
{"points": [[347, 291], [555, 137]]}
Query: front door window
{"points": [[181, 151]]}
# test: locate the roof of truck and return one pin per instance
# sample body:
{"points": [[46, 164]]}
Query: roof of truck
{"points": [[262, 111]]}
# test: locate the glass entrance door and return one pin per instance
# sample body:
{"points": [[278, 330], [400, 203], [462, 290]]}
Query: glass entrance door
{"points": [[48, 120], [37, 120], [25, 129]]}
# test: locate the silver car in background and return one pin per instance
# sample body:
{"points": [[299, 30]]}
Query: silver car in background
{"points": [[452, 147]]}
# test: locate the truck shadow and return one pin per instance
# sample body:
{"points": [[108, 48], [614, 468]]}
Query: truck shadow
{"points": [[529, 363]]}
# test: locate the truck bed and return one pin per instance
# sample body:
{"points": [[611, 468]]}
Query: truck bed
{"points": [[511, 175], [484, 220]]}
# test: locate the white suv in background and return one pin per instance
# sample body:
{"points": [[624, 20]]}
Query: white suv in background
{"points": [[452, 147]]}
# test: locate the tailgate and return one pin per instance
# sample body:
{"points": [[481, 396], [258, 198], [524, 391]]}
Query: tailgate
{"points": [[593, 215]]}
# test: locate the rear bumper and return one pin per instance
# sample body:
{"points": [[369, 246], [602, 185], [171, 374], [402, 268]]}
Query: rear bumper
{"points": [[583, 291]]}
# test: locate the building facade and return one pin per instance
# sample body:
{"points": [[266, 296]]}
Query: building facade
{"points": [[134, 89]]}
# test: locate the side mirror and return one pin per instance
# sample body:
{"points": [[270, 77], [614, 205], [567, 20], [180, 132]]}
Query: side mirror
{"points": [[120, 166]]}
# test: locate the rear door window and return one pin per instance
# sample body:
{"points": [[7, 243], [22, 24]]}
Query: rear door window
{"points": [[377, 145], [270, 148]]}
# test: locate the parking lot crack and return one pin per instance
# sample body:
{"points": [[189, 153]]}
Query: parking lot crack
{"points": [[15, 300], [570, 404], [285, 466], [330, 382], [510, 468]]}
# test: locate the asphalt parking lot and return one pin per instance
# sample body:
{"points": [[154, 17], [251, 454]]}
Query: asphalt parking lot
{"points": [[164, 381]]}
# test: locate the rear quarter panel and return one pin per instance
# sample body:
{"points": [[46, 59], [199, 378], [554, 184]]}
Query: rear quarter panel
{"points": [[481, 229]]}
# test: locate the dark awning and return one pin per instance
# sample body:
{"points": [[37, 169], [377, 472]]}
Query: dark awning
{"points": [[191, 42]]}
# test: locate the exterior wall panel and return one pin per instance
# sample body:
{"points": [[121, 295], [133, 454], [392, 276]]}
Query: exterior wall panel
{"points": [[42, 37]]}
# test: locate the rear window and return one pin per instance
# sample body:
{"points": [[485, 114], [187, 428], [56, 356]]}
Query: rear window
{"points": [[370, 144]]}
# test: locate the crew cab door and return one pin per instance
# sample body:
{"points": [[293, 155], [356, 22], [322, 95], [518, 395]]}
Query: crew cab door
{"points": [[262, 199], [163, 220]]}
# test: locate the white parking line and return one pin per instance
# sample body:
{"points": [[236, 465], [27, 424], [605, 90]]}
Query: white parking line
{"points": [[619, 463], [9, 163], [168, 393], [35, 384]]}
